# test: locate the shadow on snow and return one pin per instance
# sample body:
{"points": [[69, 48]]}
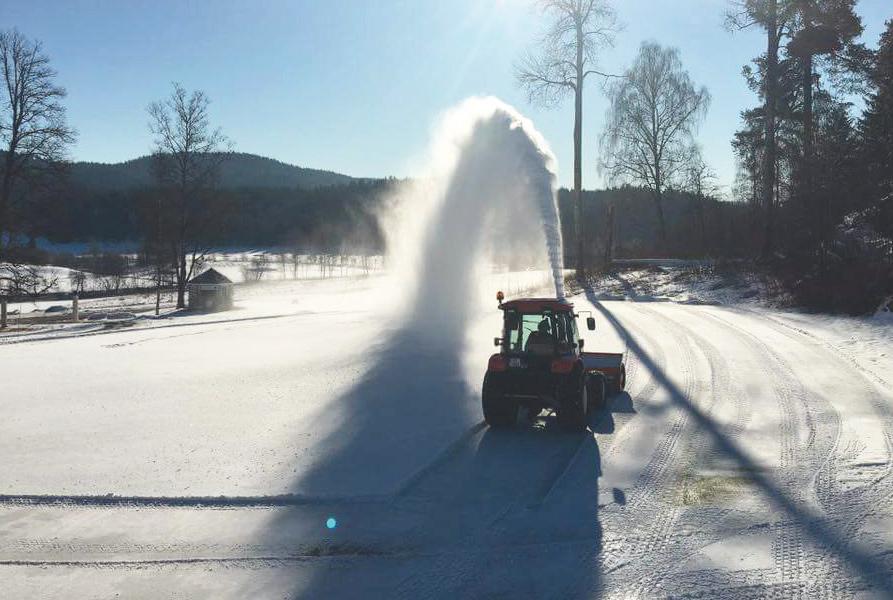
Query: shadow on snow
{"points": [[510, 513], [820, 530]]}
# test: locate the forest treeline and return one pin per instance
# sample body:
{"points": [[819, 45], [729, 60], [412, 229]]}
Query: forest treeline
{"points": [[697, 226], [329, 218], [812, 203], [816, 155], [344, 218]]}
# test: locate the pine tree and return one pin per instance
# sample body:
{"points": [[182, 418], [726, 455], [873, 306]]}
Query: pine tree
{"points": [[876, 130]]}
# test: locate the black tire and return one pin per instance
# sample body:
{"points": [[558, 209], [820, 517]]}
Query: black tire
{"points": [[598, 392], [498, 412], [574, 406]]}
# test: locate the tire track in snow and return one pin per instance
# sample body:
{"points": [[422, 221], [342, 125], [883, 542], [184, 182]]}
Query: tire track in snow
{"points": [[702, 524], [799, 569], [788, 546], [882, 409], [482, 480], [791, 557], [648, 389], [196, 502], [865, 388], [100, 329], [791, 331], [851, 508], [647, 510]]}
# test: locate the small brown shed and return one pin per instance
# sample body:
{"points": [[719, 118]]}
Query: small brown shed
{"points": [[209, 292]]}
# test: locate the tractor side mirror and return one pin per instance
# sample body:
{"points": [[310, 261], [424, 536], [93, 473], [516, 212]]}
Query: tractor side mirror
{"points": [[580, 344], [590, 323], [497, 341]]}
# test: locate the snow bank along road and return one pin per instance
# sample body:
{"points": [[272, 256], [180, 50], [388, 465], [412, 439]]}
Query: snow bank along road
{"points": [[750, 458]]}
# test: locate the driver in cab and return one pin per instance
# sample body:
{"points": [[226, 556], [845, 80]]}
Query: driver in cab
{"points": [[541, 342]]}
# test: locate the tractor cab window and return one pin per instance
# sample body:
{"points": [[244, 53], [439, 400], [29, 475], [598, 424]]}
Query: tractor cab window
{"points": [[567, 332], [543, 333], [535, 333], [519, 328], [560, 328], [570, 328]]}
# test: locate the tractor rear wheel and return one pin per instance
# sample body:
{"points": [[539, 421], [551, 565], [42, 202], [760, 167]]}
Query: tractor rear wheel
{"points": [[498, 411], [574, 407], [598, 392]]}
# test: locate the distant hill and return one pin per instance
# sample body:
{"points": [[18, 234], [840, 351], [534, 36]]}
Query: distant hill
{"points": [[239, 170]]}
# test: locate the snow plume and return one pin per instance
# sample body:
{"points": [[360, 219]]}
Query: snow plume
{"points": [[487, 200]]}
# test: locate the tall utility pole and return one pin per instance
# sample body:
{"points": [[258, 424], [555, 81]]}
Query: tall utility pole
{"points": [[769, 155], [566, 57], [578, 151]]}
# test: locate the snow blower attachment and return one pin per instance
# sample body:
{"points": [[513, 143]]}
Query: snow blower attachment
{"points": [[541, 365]]}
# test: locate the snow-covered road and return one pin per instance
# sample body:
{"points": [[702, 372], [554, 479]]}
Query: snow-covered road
{"points": [[749, 457]]}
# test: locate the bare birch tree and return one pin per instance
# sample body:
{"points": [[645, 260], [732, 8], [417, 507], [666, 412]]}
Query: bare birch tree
{"points": [[33, 131], [187, 157], [654, 113], [566, 56], [23, 279]]}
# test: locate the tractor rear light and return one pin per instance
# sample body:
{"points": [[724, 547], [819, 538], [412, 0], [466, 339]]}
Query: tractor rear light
{"points": [[497, 363], [563, 366]]}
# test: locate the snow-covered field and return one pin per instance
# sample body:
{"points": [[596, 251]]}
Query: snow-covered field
{"points": [[255, 266], [201, 456]]}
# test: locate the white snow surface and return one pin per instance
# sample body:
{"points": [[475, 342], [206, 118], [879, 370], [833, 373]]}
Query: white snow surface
{"points": [[200, 456], [239, 267], [690, 282]]}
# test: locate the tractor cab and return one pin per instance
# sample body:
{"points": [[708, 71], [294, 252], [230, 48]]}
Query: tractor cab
{"points": [[539, 328]]}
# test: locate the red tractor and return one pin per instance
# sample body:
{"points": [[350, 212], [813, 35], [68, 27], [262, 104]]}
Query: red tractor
{"points": [[541, 365]]}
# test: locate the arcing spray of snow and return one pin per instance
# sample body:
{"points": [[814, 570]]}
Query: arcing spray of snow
{"points": [[488, 198]]}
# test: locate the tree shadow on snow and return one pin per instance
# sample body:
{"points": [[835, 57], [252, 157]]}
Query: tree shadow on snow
{"points": [[505, 513], [621, 403], [820, 530]]}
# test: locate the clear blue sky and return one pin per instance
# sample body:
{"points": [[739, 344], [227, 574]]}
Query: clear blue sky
{"points": [[354, 85]]}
